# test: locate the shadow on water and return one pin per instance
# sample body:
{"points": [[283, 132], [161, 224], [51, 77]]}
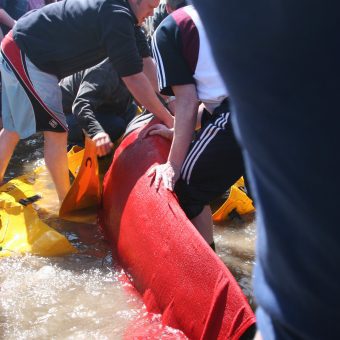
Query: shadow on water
{"points": [[83, 295]]}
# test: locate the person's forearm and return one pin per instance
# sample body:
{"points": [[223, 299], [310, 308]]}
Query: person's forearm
{"points": [[141, 88], [185, 121], [86, 118], [150, 70]]}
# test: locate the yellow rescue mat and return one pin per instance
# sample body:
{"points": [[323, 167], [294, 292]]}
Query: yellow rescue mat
{"points": [[237, 201], [21, 229]]}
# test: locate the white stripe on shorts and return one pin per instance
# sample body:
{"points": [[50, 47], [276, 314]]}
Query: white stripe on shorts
{"points": [[208, 134]]}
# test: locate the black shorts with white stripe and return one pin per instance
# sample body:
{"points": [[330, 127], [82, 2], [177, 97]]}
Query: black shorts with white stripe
{"points": [[214, 162]]}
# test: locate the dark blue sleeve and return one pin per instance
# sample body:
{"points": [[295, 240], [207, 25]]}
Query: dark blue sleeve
{"points": [[119, 37], [172, 66]]}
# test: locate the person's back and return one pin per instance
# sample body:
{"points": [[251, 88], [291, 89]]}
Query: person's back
{"points": [[182, 34], [96, 100], [81, 34], [103, 79]]}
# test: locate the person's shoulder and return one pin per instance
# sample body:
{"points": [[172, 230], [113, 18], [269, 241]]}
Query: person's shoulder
{"points": [[116, 7], [184, 18], [116, 12]]}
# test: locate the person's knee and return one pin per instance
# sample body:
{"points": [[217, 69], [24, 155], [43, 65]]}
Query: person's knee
{"points": [[55, 140]]}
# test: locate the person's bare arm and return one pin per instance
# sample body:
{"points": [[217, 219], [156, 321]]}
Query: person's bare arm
{"points": [[150, 70], [185, 121], [141, 88]]}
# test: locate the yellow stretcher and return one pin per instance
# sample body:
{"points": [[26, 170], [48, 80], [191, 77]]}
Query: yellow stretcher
{"points": [[237, 201], [21, 229]]}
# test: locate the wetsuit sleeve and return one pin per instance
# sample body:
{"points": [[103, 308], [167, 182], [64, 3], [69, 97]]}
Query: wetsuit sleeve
{"points": [[119, 37], [95, 86], [173, 67]]}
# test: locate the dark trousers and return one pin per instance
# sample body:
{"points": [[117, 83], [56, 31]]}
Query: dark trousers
{"points": [[280, 62]]}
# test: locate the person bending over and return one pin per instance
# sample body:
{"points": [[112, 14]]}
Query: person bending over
{"points": [[97, 102], [56, 41]]}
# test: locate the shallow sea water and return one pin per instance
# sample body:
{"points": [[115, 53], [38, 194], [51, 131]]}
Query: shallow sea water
{"points": [[86, 295]]}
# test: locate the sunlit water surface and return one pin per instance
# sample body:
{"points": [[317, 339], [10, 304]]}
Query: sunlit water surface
{"points": [[86, 295]]}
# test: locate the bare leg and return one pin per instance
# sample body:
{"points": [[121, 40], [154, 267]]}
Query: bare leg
{"points": [[204, 224], [56, 161], [8, 142], [258, 336]]}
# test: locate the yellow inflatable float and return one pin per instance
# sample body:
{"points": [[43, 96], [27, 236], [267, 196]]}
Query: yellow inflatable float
{"points": [[22, 230], [237, 201]]}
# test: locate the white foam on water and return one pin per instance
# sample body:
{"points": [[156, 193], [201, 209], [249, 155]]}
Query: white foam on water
{"points": [[74, 297]]}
